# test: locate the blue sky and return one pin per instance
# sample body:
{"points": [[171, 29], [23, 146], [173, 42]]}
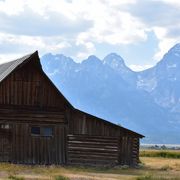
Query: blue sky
{"points": [[141, 31]]}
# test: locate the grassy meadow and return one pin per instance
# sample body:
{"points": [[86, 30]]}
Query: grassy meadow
{"points": [[175, 154], [154, 165]]}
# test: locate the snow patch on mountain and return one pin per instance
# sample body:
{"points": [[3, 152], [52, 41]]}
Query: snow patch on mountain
{"points": [[172, 66], [146, 84]]}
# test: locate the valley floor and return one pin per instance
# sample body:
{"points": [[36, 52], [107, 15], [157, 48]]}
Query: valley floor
{"points": [[151, 168]]}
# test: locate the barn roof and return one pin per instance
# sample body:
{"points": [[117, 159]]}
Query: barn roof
{"points": [[9, 67], [112, 124]]}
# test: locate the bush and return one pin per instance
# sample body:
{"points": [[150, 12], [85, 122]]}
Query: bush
{"points": [[125, 167], [145, 177], [60, 177], [165, 168], [15, 177]]}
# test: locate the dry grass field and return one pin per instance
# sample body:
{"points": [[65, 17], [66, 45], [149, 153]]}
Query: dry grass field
{"points": [[159, 168]]}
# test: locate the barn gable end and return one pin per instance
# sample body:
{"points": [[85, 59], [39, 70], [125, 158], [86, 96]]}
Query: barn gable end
{"points": [[25, 84]]}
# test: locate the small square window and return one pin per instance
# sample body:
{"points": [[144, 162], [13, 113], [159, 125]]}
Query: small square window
{"points": [[47, 131], [4, 126], [35, 130]]}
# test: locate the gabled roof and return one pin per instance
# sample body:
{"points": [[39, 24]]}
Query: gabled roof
{"points": [[112, 124], [7, 68]]}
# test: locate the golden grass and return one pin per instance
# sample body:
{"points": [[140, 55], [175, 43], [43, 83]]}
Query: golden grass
{"points": [[160, 153], [151, 168]]}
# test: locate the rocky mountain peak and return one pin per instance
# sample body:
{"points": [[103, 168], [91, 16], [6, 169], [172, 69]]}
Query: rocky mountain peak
{"points": [[175, 49], [114, 60], [172, 56], [92, 61]]}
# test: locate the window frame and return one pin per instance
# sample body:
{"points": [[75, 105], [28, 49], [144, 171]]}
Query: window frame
{"points": [[41, 131], [32, 134], [5, 126]]}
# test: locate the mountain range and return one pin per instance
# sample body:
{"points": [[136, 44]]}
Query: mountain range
{"points": [[147, 101]]}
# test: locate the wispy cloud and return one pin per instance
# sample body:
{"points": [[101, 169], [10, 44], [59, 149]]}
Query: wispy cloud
{"points": [[78, 28], [136, 67]]}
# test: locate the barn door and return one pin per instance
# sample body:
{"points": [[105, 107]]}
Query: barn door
{"points": [[125, 151], [5, 142]]}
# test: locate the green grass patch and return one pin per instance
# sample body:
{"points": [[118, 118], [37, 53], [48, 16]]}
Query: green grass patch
{"points": [[60, 177], [151, 177], [12, 177], [145, 177], [160, 153]]}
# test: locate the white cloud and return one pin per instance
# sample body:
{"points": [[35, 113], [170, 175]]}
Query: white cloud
{"points": [[164, 45], [102, 21], [136, 67], [26, 44], [112, 25], [165, 42], [174, 3], [11, 8], [69, 25], [160, 17], [9, 57], [89, 49]]}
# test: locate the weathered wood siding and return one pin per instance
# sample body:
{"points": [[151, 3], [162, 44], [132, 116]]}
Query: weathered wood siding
{"points": [[129, 150], [28, 86], [27, 98], [83, 125], [5, 145], [99, 150], [32, 116], [135, 149], [24, 148]]}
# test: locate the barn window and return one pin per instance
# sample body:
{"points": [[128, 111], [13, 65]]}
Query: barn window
{"points": [[35, 130], [47, 131], [4, 126], [42, 131]]}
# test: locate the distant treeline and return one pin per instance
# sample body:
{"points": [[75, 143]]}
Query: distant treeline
{"points": [[160, 147]]}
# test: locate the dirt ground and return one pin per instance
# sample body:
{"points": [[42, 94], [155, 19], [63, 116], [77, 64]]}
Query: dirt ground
{"points": [[151, 168]]}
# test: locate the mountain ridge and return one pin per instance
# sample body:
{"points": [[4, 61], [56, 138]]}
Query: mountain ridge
{"points": [[147, 101]]}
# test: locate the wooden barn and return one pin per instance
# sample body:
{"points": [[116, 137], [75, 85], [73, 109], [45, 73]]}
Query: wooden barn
{"points": [[39, 126]]}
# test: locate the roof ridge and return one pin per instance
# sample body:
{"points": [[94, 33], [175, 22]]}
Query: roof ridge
{"points": [[7, 62], [13, 65]]}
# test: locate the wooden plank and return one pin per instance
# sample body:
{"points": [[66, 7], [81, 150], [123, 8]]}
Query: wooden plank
{"points": [[87, 153], [92, 142], [103, 139], [92, 161], [86, 149], [93, 156]]}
